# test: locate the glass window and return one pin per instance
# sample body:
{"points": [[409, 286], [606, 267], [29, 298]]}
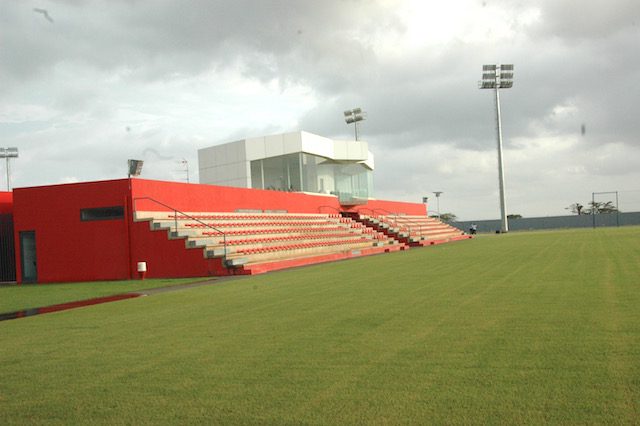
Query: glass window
{"points": [[102, 213], [352, 183], [282, 173], [256, 174], [311, 173]]}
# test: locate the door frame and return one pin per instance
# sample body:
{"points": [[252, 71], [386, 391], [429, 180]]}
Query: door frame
{"points": [[24, 234]]}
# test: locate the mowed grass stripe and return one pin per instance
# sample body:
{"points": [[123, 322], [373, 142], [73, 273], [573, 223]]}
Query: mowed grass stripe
{"points": [[624, 361], [519, 328]]}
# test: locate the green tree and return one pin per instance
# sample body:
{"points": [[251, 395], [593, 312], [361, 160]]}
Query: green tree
{"points": [[448, 217], [597, 207], [576, 208], [514, 216]]}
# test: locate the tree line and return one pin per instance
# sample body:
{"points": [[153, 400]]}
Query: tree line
{"points": [[593, 207]]}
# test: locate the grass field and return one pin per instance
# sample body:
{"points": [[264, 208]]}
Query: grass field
{"points": [[523, 328], [16, 297]]}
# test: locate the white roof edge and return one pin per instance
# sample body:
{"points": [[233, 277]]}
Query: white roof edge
{"points": [[309, 143]]}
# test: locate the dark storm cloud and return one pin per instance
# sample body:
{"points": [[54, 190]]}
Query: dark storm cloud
{"points": [[75, 84], [430, 97], [273, 39]]}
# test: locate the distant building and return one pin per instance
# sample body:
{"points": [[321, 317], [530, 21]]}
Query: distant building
{"points": [[298, 161]]}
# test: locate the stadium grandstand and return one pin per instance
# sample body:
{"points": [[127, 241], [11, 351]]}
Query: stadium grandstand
{"points": [[263, 204]]}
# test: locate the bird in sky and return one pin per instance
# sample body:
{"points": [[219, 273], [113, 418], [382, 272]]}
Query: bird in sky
{"points": [[44, 13]]}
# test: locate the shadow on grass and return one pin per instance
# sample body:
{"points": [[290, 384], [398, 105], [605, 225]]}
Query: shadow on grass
{"points": [[64, 306]]}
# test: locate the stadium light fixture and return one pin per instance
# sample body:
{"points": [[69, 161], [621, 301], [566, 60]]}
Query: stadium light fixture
{"points": [[498, 77], [438, 194], [354, 116], [425, 200], [8, 153], [135, 167], [185, 163]]}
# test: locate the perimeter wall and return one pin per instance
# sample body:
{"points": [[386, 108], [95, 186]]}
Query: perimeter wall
{"points": [[555, 222]]}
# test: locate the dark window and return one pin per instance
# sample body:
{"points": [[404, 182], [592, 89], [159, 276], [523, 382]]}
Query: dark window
{"points": [[7, 250], [102, 213]]}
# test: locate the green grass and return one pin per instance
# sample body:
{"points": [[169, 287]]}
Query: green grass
{"points": [[528, 328], [17, 297]]}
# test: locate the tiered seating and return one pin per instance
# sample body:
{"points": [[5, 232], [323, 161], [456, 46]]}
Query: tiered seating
{"points": [[415, 230], [252, 240]]}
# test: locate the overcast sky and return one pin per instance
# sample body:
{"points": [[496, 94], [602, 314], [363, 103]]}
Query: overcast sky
{"points": [[92, 83]]}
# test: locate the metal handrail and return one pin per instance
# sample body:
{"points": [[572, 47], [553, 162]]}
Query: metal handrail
{"points": [[331, 207], [396, 214], [363, 209], [175, 218]]}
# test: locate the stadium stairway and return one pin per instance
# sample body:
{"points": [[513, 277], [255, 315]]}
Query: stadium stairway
{"points": [[415, 231], [251, 243]]}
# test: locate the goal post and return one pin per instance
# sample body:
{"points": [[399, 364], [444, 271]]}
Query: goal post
{"points": [[605, 203]]}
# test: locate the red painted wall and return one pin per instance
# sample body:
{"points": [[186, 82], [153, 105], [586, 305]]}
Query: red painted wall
{"points": [[6, 202], [169, 258], [69, 249], [196, 197]]}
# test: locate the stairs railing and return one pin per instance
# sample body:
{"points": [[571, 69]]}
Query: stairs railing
{"points": [[395, 220], [329, 207], [175, 218]]}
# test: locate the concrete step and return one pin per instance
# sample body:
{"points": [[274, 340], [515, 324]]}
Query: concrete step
{"points": [[249, 250], [301, 252], [204, 241]]}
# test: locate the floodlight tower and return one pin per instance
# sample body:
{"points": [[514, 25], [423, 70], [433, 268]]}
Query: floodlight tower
{"points": [[353, 116], [135, 167], [8, 153], [498, 77], [438, 194], [185, 163]]}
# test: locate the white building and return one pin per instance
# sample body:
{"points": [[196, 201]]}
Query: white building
{"points": [[297, 161]]}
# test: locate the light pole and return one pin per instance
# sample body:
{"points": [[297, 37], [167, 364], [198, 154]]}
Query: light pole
{"points": [[498, 77], [425, 201], [437, 194], [353, 116], [8, 153]]}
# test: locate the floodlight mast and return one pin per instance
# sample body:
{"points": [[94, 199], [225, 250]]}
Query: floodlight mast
{"points": [[354, 116], [135, 167], [8, 153], [498, 77], [185, 163], [438, 194]]}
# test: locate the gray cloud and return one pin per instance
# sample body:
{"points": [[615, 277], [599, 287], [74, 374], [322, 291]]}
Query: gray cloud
{"points": [[73, 86], [577, 21], [271, 38]]}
